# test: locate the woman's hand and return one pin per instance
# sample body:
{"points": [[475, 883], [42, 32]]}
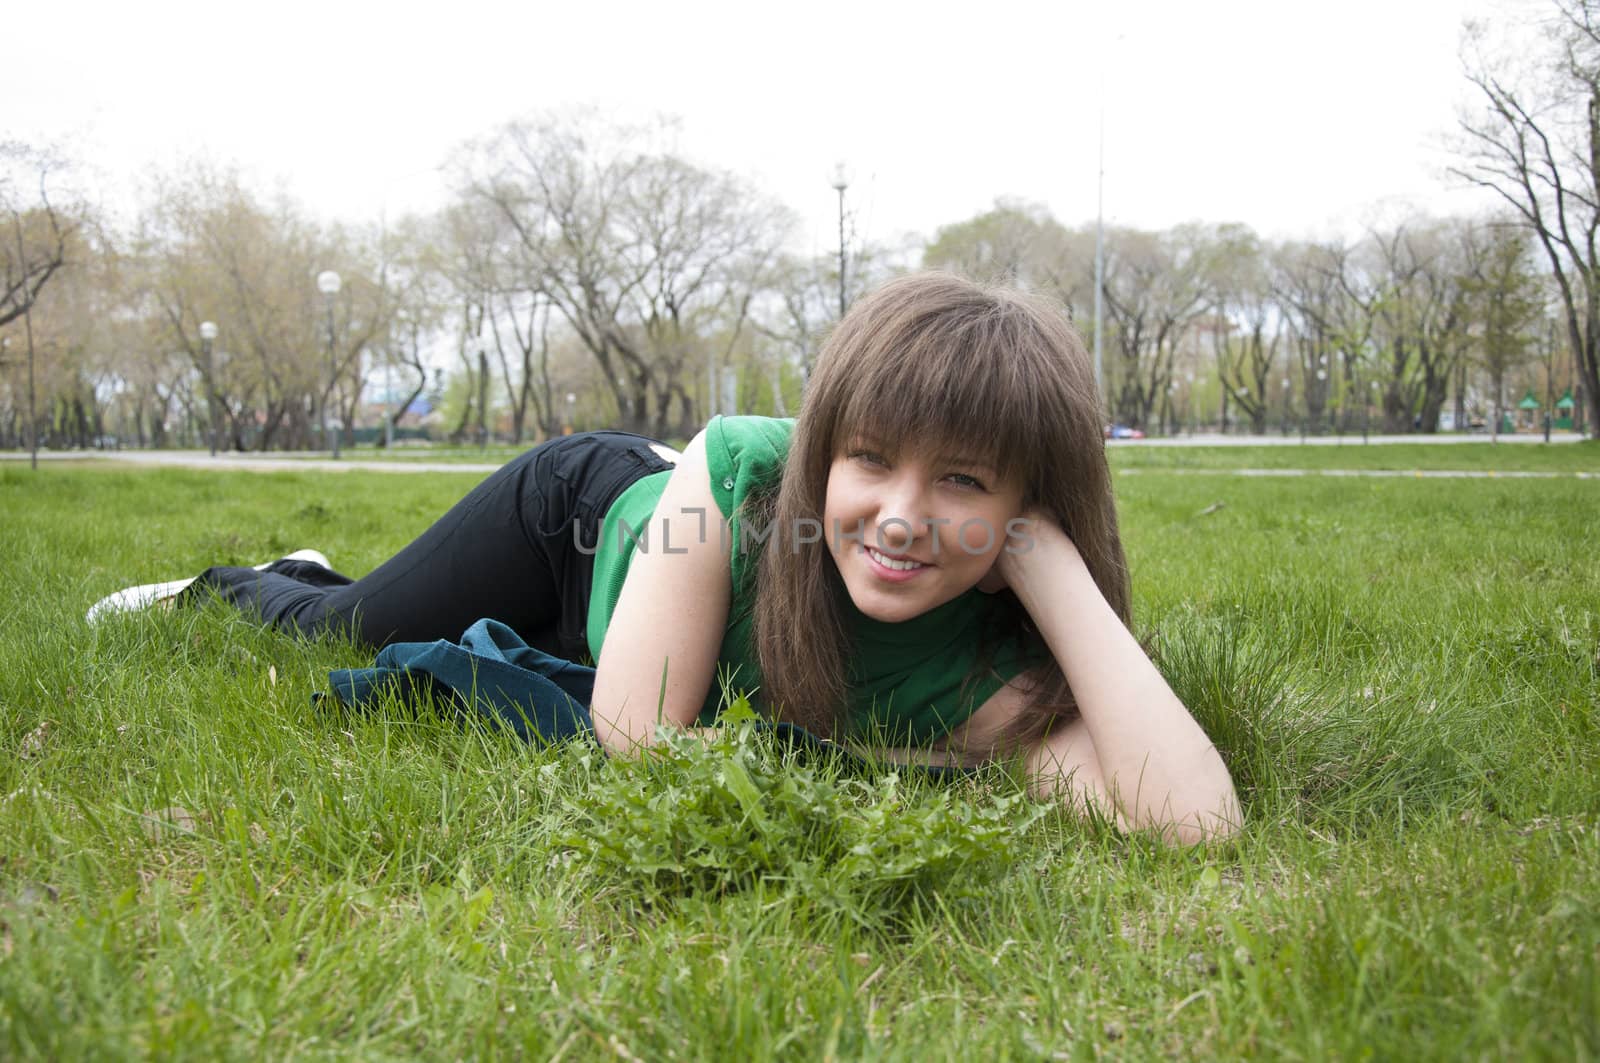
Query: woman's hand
{"points": [[1030, 540], [1136, 753]]}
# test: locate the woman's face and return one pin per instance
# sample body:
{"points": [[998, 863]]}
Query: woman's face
{"points": [[910, 532]]}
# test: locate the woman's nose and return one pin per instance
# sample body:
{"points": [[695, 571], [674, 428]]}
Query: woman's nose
{"points": [[902, 515]]}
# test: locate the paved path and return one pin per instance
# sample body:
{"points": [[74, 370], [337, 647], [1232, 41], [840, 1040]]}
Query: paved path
{"points": [[199, 459]]}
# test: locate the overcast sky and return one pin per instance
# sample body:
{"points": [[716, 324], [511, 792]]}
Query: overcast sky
{"points": [[1296, 118]]}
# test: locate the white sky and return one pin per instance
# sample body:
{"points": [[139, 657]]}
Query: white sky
{"points": [[1295, 117]]}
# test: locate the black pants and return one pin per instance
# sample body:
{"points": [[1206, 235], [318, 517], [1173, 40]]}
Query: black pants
{"points": [[517, 549]]}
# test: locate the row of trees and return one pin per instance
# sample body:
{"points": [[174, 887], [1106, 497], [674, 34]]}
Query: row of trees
{"points": [[576, 274], [584, 273], [1409, 318]]}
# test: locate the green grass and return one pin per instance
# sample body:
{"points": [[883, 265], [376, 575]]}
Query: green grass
{"points": [[1403, 675], [1562, 457]]}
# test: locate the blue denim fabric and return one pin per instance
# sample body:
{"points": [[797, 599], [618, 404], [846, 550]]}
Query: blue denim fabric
{"points": [[541, 698], [490, 671]]}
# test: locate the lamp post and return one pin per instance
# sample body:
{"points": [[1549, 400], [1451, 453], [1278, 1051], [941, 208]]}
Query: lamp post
{"points": [[840, 183], [328, 283], [208, 333], [572, 402], [1100, 254]]}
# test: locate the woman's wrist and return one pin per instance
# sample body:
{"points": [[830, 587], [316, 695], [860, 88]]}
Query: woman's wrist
{"points": [[1035, 562]]}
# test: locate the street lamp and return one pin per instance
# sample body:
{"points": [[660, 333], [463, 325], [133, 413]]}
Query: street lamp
{"points": [[841, 181], [208, 333], [1100, 257], [328, 283], [572, 401]]}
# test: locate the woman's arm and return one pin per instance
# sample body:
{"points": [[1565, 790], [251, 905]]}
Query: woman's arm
{"points": [[1135, 753], [660, 653]]}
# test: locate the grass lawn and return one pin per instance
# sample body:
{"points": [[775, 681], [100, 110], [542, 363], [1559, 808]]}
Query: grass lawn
{"points": [[1563, 457], [1403, 674]]}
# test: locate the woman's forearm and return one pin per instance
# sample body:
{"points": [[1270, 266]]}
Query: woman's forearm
{"points": [[1156, 764]]}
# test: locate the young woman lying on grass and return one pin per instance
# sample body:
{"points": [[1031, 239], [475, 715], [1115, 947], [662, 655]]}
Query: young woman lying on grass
{"points": [[929, 552]]}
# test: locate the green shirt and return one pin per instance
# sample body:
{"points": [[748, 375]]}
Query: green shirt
{"points": [[909, 682]]}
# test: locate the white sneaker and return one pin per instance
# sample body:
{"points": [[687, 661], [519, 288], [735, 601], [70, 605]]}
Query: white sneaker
{"points": [[143, 596], [314, 556], [130, 599]]}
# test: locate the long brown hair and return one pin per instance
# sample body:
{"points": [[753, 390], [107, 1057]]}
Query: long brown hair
{"points": [[934, 357]]}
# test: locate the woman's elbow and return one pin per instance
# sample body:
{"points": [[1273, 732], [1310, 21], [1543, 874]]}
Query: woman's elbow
{"points": [[1209, 826], [1213, 818]]}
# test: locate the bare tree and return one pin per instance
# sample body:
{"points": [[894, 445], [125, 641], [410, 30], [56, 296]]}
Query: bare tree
{"points": [[418, 296], [642, 254], [515, 312], [1507, 302], [527, 319], [1245, 332], [33, 251], [1416, 325], [1536, 143], [212, 250], [1306, 285], [1154, 295], [1022, 244], [36, 246], [801, 303]]}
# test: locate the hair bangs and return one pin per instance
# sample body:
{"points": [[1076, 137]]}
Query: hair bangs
{"points": [[962, 385]]}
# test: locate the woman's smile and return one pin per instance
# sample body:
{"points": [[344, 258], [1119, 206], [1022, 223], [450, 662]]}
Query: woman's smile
{"points": [[894, 569]]}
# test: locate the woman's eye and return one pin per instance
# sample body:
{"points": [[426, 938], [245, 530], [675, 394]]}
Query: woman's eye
{"points": [[964, 480], [867, 457]]}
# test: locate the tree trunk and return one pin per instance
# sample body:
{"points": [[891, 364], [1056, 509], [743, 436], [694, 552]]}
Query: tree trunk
{"points": [[483, 399], [1589, 380], [1495, 419], [459, 433], [1461, 395], [398, 412], [347, 428], [1433, 405]]}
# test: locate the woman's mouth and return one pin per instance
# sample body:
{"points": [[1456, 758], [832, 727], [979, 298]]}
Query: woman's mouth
{"points": [[898, 565]]}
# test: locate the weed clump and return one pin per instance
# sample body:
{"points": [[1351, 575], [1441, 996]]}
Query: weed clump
{"points": [[699, 816]]}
